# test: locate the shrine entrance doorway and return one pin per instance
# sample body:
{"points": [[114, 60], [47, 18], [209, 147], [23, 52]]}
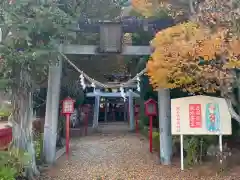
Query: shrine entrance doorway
{"points": [[112, 109], [117, 107]]}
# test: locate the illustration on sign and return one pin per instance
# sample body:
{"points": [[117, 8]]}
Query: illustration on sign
{"points": [[212, 117], [195, 115]]}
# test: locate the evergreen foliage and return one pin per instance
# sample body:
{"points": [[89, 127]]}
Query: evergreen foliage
{"points": [[31, 30]]}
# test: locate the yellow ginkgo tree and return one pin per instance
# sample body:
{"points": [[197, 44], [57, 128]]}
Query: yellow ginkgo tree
{"points": [[189, 56], [202, 54]]}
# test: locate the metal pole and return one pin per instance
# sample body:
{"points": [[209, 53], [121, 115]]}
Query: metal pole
{"points": [[220, 143], [86, 123], [67, 134], [182, 157], [136, 121], [150, 132]]}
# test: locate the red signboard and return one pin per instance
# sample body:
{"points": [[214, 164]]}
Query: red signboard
{"points": [[68, 106], [195, 116], [150, 107]]}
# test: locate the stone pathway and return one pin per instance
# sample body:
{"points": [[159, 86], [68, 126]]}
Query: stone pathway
{"points": [[115, 154]]}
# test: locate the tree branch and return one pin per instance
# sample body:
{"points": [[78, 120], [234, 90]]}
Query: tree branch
{"points": [[232, 111], [191, 7]]}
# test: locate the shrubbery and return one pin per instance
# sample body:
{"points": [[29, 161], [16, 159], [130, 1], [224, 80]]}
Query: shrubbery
{"points": [[13, 164]]}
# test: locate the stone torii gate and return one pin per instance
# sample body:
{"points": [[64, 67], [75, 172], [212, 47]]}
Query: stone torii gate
{"points": [[97, 94], [110, 42]]}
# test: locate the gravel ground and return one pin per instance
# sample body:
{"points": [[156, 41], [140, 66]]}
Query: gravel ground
{"points": [[116, 154]]}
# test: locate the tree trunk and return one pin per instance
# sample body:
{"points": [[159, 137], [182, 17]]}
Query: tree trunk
{"points": [[22, 117], [232, 111]]}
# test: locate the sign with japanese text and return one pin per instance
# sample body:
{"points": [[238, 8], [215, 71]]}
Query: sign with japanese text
{"points": [[200, 115], [68, 106], [195, 116], [150, 108], [178, 119]]}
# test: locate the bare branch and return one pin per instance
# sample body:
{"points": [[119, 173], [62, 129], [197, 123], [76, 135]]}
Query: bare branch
{"points": [[232, 111]]}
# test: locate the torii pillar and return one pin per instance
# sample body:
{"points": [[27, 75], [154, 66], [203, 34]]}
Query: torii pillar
{"points": [[164, 105], [131, 111], [96, 109], [52, 111]]}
